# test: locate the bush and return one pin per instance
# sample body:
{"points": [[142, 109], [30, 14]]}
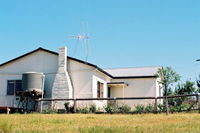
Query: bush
{"points": [[110, 108], [124, 109], [92, 108], [182, 107], [149, 108], [139, 109], [84, 110], [50, 111], [185, 107], [173, 109], [161, 108]]}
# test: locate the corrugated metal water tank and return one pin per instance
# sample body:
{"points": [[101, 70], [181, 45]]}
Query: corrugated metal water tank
{"points": [[32, 81]]}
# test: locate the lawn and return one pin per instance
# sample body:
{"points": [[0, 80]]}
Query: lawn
{"points": [[94, 123]]}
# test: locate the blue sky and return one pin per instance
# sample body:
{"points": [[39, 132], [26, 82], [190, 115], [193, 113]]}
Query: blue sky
{"points": [[123, 33]]}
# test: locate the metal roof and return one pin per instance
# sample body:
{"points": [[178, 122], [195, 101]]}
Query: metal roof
{"points": [[133, 72]]}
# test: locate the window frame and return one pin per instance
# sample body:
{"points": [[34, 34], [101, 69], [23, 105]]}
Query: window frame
{"points": [[100, 89], [12, 88]]}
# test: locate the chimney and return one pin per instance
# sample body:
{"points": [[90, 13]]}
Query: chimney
{"points": [[62, 86]]}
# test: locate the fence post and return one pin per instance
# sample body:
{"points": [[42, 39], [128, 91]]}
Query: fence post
{"points": [[198, 101], [75, 106], [156, 105], [166, 105]]}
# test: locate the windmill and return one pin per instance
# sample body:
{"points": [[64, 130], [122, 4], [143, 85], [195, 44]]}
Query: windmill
{"points": [[83, 38]]}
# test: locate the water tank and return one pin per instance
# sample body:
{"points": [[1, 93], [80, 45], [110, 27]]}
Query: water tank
{"points": [[32, 81]]}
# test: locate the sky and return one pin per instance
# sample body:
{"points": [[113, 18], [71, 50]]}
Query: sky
{"points": [[122, 33]]}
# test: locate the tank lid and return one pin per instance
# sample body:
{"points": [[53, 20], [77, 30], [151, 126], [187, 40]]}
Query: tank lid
{"points": [[33, 72]]}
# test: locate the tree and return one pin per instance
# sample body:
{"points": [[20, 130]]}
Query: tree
{"points": [[186, 88], [167, 77]]}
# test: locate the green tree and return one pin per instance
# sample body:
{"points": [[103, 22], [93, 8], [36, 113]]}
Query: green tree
{"points": [[167, 77], [186, 88]]}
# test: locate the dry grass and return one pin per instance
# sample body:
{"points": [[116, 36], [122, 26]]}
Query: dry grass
{"points": [[91, 123]]}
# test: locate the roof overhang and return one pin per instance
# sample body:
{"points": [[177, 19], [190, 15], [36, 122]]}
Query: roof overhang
{"points": [[117, 84]]}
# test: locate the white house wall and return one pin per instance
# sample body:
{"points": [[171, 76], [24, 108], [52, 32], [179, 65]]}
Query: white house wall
{"points": [[39, 61], [137, 87], [84, 81], [7, 100]]}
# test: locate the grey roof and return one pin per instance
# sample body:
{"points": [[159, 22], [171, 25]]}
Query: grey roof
{"points": [[133, 72]]}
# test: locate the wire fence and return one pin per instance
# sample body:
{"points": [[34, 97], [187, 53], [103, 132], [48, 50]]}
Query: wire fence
{"points": [[168, 104]]}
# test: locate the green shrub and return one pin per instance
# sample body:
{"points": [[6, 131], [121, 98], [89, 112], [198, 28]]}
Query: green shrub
{"points": [[124, 109], [50, 111], [173, 109], [84, 110], [139, 109], [149, 108], [182, 107], [111, 107], [161, 108], [185, 107], [92, 108]]}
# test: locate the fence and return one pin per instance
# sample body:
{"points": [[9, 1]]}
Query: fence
{"points": [[191, 99]]}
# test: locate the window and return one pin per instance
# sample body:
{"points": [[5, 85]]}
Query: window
{"points": [[13, 86], [100, 89]]}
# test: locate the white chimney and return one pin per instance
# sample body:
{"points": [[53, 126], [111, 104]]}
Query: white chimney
{"points": [[62, 86]]}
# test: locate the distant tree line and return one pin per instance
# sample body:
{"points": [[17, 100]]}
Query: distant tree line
{"points": [[169, 77]]}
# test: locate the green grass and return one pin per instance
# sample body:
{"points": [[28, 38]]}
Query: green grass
{"points": [[91, 123]]}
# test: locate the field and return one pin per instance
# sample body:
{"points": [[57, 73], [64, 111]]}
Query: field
{"points": [[94, 123]]}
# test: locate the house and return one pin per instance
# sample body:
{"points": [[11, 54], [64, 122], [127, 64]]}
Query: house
{"points": [[67, 77]]}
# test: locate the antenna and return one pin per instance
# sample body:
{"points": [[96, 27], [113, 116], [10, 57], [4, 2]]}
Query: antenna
{"points": [[83, 38]]}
